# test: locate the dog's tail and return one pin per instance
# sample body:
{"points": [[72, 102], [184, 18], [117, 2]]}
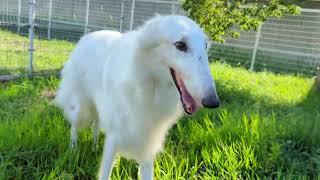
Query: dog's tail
{"points": [[64, 92]]}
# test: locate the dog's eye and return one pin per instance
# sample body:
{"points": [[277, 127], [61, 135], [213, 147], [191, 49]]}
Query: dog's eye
{"points": [[181, 46]]}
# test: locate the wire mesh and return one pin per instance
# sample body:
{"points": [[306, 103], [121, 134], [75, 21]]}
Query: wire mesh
{"points": [[287, 45], [290, 44]]}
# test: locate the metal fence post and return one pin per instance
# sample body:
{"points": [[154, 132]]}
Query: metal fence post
{"points": [[2, 10], [31, 33], [6, 12], [173, 7], [19, 15], [122, 15], [7, 8], [49, 19], [256, 45], [318, 78], [87, 17], [132, 14]]}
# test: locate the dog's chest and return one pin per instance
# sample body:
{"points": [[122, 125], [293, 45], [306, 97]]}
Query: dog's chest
{"points": [[153, 111], [145, 135], [157, 99]]}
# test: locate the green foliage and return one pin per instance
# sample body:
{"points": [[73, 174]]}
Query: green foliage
{"points": [[220, 17]]}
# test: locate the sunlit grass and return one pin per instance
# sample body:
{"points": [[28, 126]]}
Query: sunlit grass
{"points": [[14, 53]]}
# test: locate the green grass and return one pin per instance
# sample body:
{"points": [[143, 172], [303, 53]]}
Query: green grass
{"points": [[267, 127], [14, 54]]}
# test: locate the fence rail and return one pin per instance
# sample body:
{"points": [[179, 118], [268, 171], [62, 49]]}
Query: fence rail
{"points": [[290, 44]]}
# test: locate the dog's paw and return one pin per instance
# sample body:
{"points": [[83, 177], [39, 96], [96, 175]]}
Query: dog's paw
{"points": [[73, 145]]}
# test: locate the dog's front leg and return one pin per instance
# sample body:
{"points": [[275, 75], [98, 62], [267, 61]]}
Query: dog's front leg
{"points": [[146, 170], [73, 137], [107, 159], [95, 136]]}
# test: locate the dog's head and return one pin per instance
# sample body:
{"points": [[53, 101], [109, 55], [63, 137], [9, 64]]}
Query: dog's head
{"points": [[180, 45]]}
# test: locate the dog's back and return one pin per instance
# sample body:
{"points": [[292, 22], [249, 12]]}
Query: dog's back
{"points": [[81, 76]]}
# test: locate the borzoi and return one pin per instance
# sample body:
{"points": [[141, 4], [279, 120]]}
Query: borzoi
{"points": [[135, 85]]}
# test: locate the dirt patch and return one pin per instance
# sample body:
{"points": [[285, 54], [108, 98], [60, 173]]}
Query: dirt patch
{"points": [[48, 94]]}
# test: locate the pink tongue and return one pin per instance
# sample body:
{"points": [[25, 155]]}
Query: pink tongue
{"points": [[189, 103]]}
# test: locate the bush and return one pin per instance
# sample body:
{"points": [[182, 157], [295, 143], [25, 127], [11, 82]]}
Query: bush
{"points": [[221, 18]]}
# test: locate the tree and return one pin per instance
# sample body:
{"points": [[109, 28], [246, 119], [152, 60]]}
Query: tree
{"points": [[220, 18]]}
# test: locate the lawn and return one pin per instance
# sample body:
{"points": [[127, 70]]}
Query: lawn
{"points": [[14, 54], [267, 127]]}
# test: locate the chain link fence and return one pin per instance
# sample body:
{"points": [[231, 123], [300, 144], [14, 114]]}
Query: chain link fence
{"points": [[38, 35]]}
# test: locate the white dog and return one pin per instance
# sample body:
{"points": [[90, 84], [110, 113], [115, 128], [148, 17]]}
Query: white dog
{"points": [[135, 85]]}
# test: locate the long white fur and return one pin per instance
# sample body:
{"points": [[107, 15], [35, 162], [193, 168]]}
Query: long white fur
{"points": [[123, 83]]}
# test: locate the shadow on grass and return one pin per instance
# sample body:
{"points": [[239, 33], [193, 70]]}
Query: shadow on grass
{"points": [[285, 137], [7, 74], [301, 146], [12, 71]]}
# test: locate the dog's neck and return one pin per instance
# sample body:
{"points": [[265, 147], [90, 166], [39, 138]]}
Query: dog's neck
{"points": [[151, 76], [150, 66]]}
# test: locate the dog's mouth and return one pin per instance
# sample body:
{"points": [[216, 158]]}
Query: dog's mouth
{"points": [[189, 104]]}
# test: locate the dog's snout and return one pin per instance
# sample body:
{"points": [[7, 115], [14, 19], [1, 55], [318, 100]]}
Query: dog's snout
{"points": [[211, 101]]}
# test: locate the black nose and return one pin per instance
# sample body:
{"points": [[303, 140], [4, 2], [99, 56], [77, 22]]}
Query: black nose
{"points": [[211, 101]]}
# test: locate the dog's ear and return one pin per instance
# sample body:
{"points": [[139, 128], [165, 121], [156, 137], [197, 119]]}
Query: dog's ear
{"points": [[150, 35]]}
